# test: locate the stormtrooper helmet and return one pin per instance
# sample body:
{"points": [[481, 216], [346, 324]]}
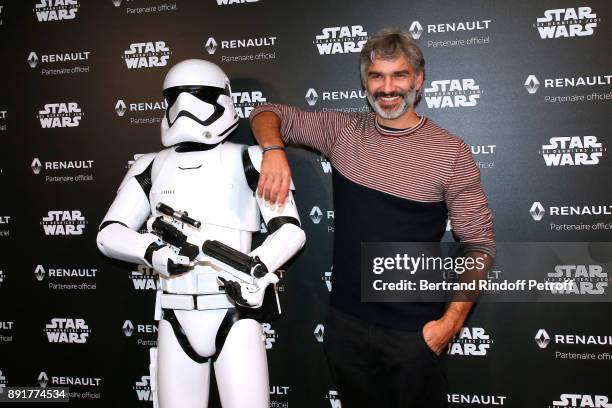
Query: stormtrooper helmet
{"points": [[199, 104]]}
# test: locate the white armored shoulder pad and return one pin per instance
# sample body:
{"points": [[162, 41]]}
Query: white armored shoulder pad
{"points": [[139, 166], [256, 156], [131, 205], [160, 160]]}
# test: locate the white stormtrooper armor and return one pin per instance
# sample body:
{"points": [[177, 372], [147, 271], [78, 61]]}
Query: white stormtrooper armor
{"points": [[207, 309]]}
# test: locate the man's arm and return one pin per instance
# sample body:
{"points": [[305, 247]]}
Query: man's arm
{"points": [[275, 176], [281, 124], [472, 222], [438, 333]]}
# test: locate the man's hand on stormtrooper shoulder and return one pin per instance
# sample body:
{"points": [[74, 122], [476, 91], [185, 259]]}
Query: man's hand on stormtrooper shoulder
{"points": [[274, 178], [166, 261]]}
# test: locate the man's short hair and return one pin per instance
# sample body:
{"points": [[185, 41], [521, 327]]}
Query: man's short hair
{"points": [[389, 44]]}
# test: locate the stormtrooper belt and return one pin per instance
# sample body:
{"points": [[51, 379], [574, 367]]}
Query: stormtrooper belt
{"points": [[195, 302]]}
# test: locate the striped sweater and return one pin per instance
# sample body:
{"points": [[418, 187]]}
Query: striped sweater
{"points": [[391, 185]]}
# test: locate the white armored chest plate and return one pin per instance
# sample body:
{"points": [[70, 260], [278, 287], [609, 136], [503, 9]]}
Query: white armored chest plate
{"points": [[209, 185]]}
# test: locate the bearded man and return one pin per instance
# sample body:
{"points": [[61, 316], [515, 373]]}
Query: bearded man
{"points": [[397, 177]]}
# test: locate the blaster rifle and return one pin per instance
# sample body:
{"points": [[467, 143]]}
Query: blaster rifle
{"points": [[217, 250], [251, 271]]}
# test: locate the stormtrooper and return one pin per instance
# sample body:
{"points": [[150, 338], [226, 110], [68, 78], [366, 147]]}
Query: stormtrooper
{"points": [[197, 199]]}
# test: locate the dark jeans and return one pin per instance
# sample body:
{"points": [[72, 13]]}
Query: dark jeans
{"points": [[373, 366]]}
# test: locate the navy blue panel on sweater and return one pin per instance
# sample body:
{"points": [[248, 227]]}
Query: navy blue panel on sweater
{"points": [[362, 214]]}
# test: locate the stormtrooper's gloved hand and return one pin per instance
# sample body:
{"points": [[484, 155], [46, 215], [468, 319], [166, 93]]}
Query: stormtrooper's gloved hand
{"points": [[166, 261], [246, 294]]}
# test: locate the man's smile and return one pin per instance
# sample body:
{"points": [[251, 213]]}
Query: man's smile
{"points": [[389, 99]]}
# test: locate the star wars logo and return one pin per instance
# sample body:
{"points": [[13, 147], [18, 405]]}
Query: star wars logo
{"points": [[341, 40], [246, 101], [572, 151], [588, 279], [230, 2], [59, 222], [327, 278], [470, 341], [452, 93], [143, 388], [56, 10], [144, 278], [270, 335], [538, 211], [60, 115], [567, 22], [334, 399], [582, 400], [147, 55], [66, 330]]}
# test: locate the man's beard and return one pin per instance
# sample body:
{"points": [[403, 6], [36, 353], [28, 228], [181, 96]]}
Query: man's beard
{"points": [[407, 100]]}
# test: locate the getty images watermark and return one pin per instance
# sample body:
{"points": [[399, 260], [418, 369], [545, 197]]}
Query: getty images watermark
{"points": [[521, 272]]}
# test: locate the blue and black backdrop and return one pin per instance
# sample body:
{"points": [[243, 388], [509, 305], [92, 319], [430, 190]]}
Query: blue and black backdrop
{"points": [[526, 84]]}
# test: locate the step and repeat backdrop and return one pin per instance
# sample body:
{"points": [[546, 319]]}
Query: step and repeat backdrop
{"points": [[527, 85]]}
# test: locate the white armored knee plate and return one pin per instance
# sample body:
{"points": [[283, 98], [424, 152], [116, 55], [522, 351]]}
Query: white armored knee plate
{"points": [[200, 107]]}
